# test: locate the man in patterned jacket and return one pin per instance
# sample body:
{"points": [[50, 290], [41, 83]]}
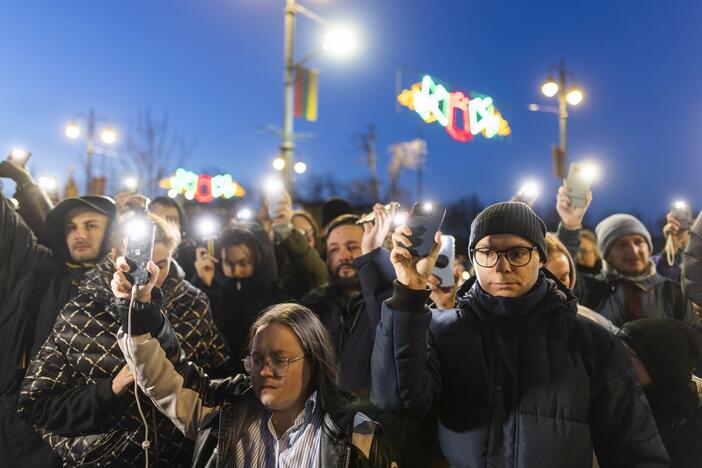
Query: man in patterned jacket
{"points": [[69, 391]]}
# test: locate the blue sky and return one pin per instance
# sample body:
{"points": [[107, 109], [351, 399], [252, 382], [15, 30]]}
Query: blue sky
{"points": [[216, 67]]}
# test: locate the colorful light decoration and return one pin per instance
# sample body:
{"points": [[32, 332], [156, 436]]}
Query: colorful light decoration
{"points": [[201, 187], [461, 115]]}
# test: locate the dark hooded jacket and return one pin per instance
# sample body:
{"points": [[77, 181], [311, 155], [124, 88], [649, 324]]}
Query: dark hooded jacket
{"points": [[515, 382], [68, 388], [35, 283], [669, 351], [237, 302]]}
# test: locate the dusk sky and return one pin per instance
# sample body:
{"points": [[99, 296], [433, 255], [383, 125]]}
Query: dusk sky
{"points": [[216, 67]]}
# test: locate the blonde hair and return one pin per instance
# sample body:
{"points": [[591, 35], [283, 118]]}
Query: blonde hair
{"points": [[555, 246]]}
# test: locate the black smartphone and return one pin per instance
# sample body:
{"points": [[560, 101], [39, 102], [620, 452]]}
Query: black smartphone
{"points": [[424, 220], [140, 248]]}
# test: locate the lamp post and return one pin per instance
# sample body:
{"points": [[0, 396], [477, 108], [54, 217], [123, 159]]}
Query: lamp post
{"points": [[567, 94], [107, 135], [339, 41]]}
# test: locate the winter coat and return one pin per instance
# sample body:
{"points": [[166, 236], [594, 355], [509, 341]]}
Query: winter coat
{"points": [[691, 277], [661, 296], [67, 390], [351, 321], [515, 382], [215, 413], [237, 302], [300, 266], [35, 283]]}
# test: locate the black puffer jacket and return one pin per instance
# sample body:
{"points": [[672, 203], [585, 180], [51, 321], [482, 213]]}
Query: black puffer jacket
{"points": [[67, 390], [516, 383]]}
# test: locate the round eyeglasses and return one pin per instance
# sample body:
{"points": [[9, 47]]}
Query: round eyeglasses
{"points": [[516, 256]]}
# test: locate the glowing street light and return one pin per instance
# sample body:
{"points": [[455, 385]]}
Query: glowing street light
{"points": [[549, 88], [278, 164], [567, 95], [108, 136], [300, 167], [72, 130], [340, 41]]}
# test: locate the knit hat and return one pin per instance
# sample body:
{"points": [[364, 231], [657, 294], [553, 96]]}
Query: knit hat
{"points": [[667, 347], [613, 227], [510, 218], [333, 208]]}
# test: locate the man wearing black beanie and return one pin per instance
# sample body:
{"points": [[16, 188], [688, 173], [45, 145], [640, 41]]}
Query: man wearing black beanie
{"points": [[515, 377], [664, 353]]}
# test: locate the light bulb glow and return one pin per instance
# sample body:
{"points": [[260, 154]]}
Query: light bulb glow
{"points": [[72, 130], [550, 88], [108, 136], [574, 97], [172, 193], [278, 164], [341, 41], [244, 214], [300, 167]]}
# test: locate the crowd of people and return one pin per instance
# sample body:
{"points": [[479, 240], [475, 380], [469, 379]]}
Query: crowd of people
{"points": [[287, 342]]}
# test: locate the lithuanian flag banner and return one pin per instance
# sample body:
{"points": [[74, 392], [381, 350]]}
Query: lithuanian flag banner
{"points": [[306, 93]]}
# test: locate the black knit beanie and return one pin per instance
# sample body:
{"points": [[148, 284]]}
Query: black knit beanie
{"points": [[510, 218], [668, 348]]}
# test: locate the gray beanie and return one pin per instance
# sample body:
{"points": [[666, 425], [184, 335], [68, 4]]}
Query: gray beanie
{"points": [[613, 227], [510, 218]]}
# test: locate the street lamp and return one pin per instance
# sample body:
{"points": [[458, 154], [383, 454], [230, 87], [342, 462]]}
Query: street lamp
{"points": [[567, 95], [278, 164], [339, 41], [107, 136], [300, 167]]}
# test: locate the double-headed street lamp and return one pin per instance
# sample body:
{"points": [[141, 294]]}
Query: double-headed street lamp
{"points": [[107, 136], [339, 41], [568, 94]]}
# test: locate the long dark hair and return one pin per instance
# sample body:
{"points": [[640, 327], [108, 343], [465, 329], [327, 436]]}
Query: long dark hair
{"points": [[316, 344]]}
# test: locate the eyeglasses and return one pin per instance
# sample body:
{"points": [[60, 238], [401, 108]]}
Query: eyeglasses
{"points": [[516, 256], [279, 366]]}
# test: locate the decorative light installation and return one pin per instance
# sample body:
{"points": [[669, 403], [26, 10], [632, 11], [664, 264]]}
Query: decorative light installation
{"points": [[462, 116], [201, 187]]}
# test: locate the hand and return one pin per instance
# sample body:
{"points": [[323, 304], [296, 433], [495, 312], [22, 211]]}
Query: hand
{"points": [[412, 272], [673, 226], [122, 381], [571, 217], [205, 265], [444, 298], [122, 286], [284, 214], [375, 232], [14, 171]]}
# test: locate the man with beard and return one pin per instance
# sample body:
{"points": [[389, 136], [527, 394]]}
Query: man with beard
{"points": [[357, 263]]}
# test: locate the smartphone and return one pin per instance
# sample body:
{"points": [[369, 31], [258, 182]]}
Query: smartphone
{"points": [[682, 213], [424, 220], [140, 248], [578, 184], [19, 157], [443, 269]]}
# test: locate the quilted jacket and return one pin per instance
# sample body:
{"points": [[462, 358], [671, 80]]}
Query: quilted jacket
{"points": [[67, 389]]}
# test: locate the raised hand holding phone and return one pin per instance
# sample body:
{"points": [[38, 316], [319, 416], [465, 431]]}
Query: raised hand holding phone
{"points": [[412, 271]]}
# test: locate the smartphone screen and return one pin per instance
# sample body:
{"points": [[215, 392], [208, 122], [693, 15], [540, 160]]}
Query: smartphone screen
{"points": [[274, 188], [424, 220], [578, 184], [140, 248]]}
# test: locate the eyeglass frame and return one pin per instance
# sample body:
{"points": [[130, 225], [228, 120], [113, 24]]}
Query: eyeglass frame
{"points": [[504, 253], [267, 363]]}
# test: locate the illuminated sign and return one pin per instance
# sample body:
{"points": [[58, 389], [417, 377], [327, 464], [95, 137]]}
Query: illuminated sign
{"points": [[201, 187], [462, 116]]}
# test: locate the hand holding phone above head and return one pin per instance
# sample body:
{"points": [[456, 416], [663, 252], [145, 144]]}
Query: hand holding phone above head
{"points": [[122, 281], [425, 221], [571, 215], [412, 271], [377, 227]]}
